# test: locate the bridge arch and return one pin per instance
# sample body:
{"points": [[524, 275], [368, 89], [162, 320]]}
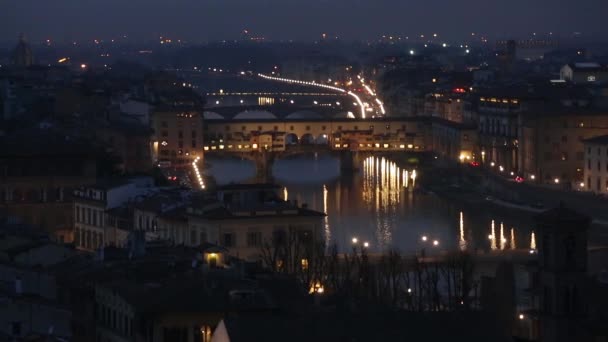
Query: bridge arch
{"points": [[307, 139], [291, 139]]}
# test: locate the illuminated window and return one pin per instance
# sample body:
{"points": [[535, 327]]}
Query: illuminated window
{"points": [[591, 78], [304, 264]]}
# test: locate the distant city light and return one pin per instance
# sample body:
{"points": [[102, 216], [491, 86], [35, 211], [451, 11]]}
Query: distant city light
{"points": [[412, 52], [83, 66]]}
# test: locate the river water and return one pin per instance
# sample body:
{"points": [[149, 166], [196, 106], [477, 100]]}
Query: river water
{"points": [[379, 205]]}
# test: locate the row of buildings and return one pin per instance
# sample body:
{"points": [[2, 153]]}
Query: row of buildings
{"points": [[538, 125]]}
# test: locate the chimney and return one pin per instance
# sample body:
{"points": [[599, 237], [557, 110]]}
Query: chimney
{"points": [[18, 286]]}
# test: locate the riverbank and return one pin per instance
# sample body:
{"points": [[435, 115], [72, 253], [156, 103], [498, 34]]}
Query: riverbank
{"points": [[478, 187]]}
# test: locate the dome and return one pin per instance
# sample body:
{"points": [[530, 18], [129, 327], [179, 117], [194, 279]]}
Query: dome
{"points": [[304, 114], [212, 116], [255, 115], [22, 55]]}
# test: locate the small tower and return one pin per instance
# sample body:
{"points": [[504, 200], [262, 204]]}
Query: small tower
{"points": [[562, 253], [22, 54]]}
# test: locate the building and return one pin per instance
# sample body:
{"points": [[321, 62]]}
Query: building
{"points": [[254, 217], [588, 72], [359, 326], [551, 147], [562, 275], [39, 168], [22, 54], [596, 164], [178, 135], [91, 203], [498, 111], [29, 290]]}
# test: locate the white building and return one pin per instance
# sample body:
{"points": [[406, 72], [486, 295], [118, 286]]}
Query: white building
{"points": [[91, 204], [596, 165], [584, 72]]}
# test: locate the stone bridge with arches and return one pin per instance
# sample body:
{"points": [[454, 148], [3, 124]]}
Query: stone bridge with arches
{"points": [[266, 138]]}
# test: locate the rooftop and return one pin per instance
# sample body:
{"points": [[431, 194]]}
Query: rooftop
{"points": [[599, 140], [371, 326]]}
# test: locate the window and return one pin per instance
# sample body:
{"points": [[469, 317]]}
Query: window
{"points": [[599, 180], [276, 128], [304, 263], [180, 144], [291, 128], [164, 133], [254, 239], [229, 240], [193, 134], [243, 128], [322, 128], [77, 214], [371, 127], [356, 128], [203, 237], [193, 237], [94, 218], [193, 143], [588, 164], [308, 128], [564, 138], [180, 134], [164, 124], [580, 156]]}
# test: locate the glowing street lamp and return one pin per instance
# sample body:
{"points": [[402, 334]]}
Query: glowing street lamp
{"points": [[355, 240], [366, 244]]}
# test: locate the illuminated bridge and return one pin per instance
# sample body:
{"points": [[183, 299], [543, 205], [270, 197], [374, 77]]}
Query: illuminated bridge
{"points": [[268, 137]]}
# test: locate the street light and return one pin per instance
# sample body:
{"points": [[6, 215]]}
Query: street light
{"points": [[435, 243], [424, 238], [366, 244], [355, 240]]}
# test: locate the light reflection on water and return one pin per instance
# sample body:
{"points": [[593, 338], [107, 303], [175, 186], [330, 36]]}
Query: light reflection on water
{"points": [[379, 204]]}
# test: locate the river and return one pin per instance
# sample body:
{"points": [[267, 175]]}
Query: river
{"points": [[379, 205]]}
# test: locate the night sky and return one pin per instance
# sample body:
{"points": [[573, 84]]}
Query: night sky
{"points": [[202, 20]]}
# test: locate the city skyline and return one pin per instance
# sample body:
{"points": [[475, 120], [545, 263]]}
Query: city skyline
{"points": [[64, 20]]}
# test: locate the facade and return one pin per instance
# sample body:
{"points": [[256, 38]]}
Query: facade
{"points": [[584, 73], [91, 229], [447, 107], [596, 165], [178, 135], [498, 128], [551, 148], [562, 278], [38, 171]]}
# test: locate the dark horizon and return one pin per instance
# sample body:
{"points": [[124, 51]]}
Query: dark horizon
{"points": [[65, 20]]}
